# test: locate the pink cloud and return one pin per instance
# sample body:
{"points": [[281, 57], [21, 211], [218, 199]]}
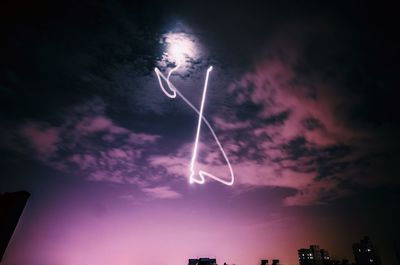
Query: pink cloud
{"points": [[93, 146], [272, 86], [224, 125], [118, 153], [84, 161], [42, 138], [139, 138], [94, 124], [162, 192], [173, 165]]}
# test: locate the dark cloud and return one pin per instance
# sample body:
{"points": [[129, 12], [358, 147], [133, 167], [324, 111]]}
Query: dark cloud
{"points": [[305, 81]]}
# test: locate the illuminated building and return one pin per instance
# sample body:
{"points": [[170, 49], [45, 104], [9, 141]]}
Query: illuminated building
{"points": [[305, 256], [366, 253], [313, 256]]}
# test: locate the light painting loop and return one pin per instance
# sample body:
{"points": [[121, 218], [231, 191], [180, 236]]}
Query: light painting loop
{"points": [[171, 92]]}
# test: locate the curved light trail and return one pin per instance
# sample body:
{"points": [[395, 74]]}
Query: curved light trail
{"points": [[171, 92]]}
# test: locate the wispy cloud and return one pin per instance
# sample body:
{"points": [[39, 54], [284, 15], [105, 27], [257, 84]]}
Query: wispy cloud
{"points": [[43, 138], [89, 143], [162, 192]]}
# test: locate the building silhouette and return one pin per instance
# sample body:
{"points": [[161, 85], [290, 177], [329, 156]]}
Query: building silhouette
{"points": [[305, 256], [396, 245], [366, 253], [314, 256], [326, 259], [11, 206], [316, 251], [202, 261], [275, 262]]}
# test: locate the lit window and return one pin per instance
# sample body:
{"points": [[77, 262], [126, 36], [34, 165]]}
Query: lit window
{"points": [[371, 260], [369, 250]]}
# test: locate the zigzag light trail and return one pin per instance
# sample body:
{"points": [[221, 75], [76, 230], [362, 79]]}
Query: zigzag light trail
{"points": [[173, 91]]}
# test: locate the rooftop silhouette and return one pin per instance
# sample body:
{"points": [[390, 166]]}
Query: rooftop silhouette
{"points": [[12, 205]]}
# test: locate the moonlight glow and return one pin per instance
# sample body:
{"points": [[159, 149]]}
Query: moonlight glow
{"points": [[181, 48]]}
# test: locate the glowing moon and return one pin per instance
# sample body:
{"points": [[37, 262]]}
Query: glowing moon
{"points": [[181, 47]]}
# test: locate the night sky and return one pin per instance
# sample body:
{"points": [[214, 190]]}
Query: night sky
{"points": [[303, 97]]}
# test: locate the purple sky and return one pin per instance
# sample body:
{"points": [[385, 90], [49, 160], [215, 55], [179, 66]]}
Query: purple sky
{"points": [[301, 99]]}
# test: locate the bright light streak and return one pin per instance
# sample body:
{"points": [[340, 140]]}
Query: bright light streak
{"points": [[173, 91], [196, 141]]}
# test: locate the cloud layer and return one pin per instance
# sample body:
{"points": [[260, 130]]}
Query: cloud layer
{"points": [[90, 144], [284, 128], [281, 124]]}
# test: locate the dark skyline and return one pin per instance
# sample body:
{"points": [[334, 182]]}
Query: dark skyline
{"points": [[303, 97], [11, 208]]}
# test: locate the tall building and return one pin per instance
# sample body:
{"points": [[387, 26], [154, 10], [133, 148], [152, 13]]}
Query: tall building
{"points": [[275, 262], [202, 261], [366, 253], [264, 262], [305, 256], [11, 207], [313, 256], [316, 252]]}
